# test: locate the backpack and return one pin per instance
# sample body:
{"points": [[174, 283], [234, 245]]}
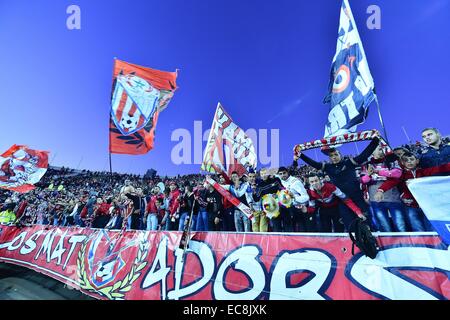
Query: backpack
{"points": [[363, 238]]}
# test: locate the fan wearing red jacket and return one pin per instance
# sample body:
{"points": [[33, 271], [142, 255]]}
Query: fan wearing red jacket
{"points": [[101, 214], [326, 197], [174, 207], [151, 211], [411, 170]]}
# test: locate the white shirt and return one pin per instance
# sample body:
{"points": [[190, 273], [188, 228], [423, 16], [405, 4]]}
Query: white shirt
{"points": [[296, 187]]}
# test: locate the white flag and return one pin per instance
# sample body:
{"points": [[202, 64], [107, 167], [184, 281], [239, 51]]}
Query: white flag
{"points": [[433, 196]]}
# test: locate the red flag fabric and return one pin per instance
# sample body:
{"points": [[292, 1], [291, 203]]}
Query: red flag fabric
{"points": [[228, 148], [21, 168], [139, 94]]}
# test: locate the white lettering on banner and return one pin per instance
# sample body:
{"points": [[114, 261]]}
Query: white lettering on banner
{"points": [[206, 257], [19, 239], [74, 240], [155, 275], [311, 260], [59, 249], [361, 86], [245, 260], [337, 118], [375, 277], [381, 277], [46, 246], [30, 244]]}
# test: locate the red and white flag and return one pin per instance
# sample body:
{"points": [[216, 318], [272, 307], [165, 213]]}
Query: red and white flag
{"points": [[139, 95], [228, 148], [21, 168]]}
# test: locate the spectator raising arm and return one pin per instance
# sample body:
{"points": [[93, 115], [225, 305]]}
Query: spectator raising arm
{"points": [[360, 159]]}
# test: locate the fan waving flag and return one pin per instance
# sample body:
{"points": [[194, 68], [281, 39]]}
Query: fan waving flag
{"points": [[351, 87], [228, 148], [139, 94], [21, 168]]}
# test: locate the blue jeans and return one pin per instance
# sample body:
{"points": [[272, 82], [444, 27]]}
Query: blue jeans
{"points": [[242, 222], [381, 212], [417, 220], [78, 221], [183, 218], [152, 222], [202, 221]]}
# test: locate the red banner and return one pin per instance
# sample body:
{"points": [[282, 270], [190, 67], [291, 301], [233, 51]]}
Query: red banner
{"points": [[232, 266], [21, 168], [139, 94]]}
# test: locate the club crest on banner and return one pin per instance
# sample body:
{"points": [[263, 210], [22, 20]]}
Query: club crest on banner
{"points": [[104, 268], [105, 264], [134, 103]]}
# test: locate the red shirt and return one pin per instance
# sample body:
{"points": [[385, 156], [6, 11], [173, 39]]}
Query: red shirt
{"points": [[174, 202], [329, 197], [151, 205], [103, 209], [406, 195]]}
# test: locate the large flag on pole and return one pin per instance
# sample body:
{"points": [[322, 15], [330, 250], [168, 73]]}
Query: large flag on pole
{"points": [[433, 196], [228, 148], [21, 168], [351, 87], [139, 94]]}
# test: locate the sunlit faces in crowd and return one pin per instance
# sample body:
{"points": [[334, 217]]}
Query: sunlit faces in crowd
{"points": [[283, 173], [315, 182], [409, 161], [335, 156], [431, 136]]}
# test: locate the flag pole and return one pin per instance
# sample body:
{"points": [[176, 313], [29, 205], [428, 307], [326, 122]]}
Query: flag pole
{"points": [[381, 119], [406, 134], [110, 164], [109, 124]]}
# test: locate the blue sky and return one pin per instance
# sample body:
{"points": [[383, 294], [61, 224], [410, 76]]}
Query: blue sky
{"points": [[268, 63]]}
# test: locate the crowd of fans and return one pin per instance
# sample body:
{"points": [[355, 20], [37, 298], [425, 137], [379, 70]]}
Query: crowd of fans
{"points": [[315, 197]]}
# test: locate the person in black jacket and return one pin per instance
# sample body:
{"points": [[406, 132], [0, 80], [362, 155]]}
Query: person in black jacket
{"points": [[342, 172], [214, 207], [187, 206], [269, 184]]}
